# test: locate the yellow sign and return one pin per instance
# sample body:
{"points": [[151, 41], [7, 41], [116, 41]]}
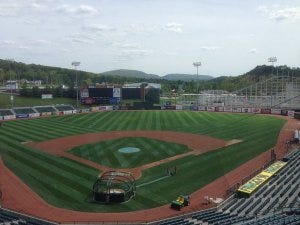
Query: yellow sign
{"points": [[261, 178]]}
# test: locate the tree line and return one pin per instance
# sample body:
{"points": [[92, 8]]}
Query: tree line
{"points": [[54, 78]]}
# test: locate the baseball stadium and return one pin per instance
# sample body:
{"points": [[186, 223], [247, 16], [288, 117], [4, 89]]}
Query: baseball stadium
{"points": [[217, 164]]}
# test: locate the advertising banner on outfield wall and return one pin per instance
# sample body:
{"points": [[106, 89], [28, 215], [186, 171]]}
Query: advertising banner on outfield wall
{"points": [[32, 115], [201, 108], [68, 112], [46, 113], [291, 114], [1, 117], [210, 109], [94, 109], [237, 110], [227, 109], [109, 108], [246, 110], [9, 117], [20, 116], [276, 111], [178, 107], [256, 110], [220, 109], [266, 111]]}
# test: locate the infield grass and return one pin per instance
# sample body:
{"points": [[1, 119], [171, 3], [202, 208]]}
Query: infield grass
{"points": [[65, 183], [107, 152]]}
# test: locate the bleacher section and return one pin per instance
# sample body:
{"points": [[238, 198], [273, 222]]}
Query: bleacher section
{"points": [[264, 206], [8, 217], [6, 114], [23, 110], [65, 109], [45, 110]]}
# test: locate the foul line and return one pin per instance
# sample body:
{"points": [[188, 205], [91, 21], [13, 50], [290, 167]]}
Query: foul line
{"points": [[153, 181]]}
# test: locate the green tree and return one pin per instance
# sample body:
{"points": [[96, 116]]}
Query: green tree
{"points": [[36, 92]]}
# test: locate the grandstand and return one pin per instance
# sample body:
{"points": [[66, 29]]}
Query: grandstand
{"points": [[6, 112], [45, 109], [281, 191], [8, 217], [64, 107], [24, 110]]}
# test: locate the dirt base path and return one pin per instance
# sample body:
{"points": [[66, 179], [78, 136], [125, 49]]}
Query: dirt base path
{"points": [[18, 196], [197, 143]]}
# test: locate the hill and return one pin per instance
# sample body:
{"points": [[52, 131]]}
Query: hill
{"points": [[130, 73], [186, 77]]}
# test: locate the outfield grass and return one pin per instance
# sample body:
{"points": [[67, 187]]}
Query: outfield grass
{"points": [[107, 152], [65, 183], [20, 101]]}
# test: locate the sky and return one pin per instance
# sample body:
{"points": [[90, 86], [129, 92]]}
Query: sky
{"points": [[228, 37]]}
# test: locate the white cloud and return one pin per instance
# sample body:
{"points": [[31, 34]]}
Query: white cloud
{"points": [[279, 14], [77, 10], [20, 7], [141, 28], [9, 8], [210, 48], [7, 42], [129, 51], [98, 28], [23, 47], [173, 27], [253, 51]]}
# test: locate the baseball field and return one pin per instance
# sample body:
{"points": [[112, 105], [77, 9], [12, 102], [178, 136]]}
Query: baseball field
{"points": [[67, 183]]}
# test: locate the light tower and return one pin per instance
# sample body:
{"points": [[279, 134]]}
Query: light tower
{"points": [[197, 64], [76, 64], [273, 60], [10, 82]]}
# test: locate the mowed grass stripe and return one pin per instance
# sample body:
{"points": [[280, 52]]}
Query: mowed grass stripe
{"points": [[59, 191], [107, 152], [258, 133], [65, 126], [53, 174]]}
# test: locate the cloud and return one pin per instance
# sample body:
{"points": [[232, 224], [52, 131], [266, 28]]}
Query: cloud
{"points": [[23, 47], [98, 28], [253, 51], [7, 42], [77, 10], [173, 27], [209, 48], [279, 14], [130, 51], [20, 7], [9, 8]]}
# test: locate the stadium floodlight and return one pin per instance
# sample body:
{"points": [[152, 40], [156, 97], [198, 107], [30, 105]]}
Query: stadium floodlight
{"points": [[10, 81], [273, 60], [197, 64], [76, 64]]}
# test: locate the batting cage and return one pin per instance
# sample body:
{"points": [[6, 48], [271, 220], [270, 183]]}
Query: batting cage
{"points": [[114, 187]]}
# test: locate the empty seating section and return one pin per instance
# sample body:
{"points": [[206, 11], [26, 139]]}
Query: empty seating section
{"points": [[6, 112], [44, 109], [23, 110], [11, 218], [176, 221], [276, 219], [282, 190], [64, 108]]}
